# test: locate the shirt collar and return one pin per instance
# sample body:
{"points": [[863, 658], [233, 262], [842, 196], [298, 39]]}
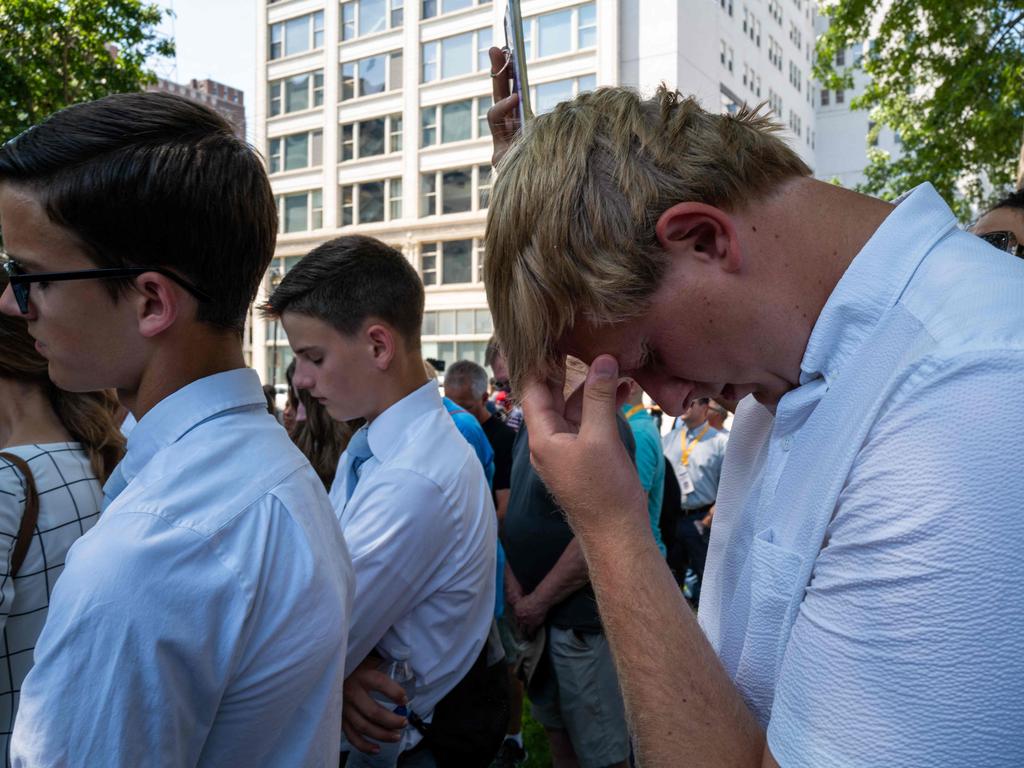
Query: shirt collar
{"points": [[387, 430], [875, 280], [180, 412]]}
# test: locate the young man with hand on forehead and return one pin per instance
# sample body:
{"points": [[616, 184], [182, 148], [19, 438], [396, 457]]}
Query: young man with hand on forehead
{"points": [[845, 620], [203, 620]]}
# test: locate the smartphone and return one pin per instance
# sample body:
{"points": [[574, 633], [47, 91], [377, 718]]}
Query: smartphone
{"points": [[515, 49]]}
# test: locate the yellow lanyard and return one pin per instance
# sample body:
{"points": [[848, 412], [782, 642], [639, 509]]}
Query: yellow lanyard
{"points": [[634, 409], [687, 449]]}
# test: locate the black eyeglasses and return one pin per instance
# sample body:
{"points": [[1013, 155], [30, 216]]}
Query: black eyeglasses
{"points": [[1004, 241], [21, 281]]}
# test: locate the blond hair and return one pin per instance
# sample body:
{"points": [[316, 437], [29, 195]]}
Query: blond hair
{"points": [[571, 223]]}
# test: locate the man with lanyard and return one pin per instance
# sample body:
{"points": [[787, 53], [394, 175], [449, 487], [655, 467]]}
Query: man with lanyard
{"points": [[695, 450]]}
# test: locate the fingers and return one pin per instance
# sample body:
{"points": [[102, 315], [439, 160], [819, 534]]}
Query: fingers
{"points": [[543, 409], [501, 82], [601, 400]]}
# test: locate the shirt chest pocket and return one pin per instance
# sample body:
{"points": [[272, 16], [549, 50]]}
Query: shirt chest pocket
{"points": [[776, 587]]}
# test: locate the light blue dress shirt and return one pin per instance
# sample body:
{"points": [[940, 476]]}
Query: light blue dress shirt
{"points": [[422, 530], [203, 620], [864, 575], [704, 463]]}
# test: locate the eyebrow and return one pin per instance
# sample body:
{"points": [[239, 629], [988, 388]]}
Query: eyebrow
{"points": [[23, 262]]}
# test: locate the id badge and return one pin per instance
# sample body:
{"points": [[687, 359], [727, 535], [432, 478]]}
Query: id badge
{"points": [[685, 481]]}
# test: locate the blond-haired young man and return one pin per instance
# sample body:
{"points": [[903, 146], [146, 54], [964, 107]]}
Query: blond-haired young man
{"points": [[846, 620]]}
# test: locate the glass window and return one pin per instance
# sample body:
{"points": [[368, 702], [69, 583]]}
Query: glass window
{"points": [[457, 189], [317, 213], [295, 212], [318, 88], [316, 149], [587, 83], [371, 137], [483, 103], [483, 185], [372, 16], [395, 199], [296, 35], [395, 70], [447, 6], [429, 349], [429, 9], [276, 35], [428, 268], [371, 202], [429, 324], [346, 205], [472, 350], [274, 156], [464, 321], [587, 35], [348, 80], [428, 194], [484, 323], [554, 33], [446, 351], [397, 13], [348, 20], [457, 121], [550, 94], [483, 46], [371, 75], [428, 126], [296, 151], [275, 98], [296, 93], [446, 321], [456, 261], [318, 29], [395, 133], [457, 55], [429, 61], [348, 150]]}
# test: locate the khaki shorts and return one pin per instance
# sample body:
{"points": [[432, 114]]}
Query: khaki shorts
{"points": [[581, 696]]}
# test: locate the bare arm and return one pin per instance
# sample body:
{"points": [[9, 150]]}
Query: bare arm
{"points": [[675, 689]]}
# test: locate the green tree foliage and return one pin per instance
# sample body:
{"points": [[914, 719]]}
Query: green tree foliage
{"points": [[59, 52], [948, 77]]}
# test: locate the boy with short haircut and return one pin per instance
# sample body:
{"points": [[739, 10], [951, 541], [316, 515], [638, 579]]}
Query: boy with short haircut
{"points": [[203, 619], [410, 493]]}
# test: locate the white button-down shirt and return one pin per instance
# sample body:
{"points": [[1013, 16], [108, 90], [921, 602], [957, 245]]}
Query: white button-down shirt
{"points": [[203, 620], [864, 577], [422, 532]]}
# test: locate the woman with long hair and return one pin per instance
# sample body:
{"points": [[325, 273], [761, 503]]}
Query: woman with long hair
{"points": [[56, 450], [314, 432]]}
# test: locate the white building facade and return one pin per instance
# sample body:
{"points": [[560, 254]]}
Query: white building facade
{"points": [[372, 117]]}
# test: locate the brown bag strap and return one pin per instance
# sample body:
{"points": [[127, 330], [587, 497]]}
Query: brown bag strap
{"points": [[31, 515]]}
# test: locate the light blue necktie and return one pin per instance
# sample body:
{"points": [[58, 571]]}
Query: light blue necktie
{"points": [[114, 485], [359, 451]]}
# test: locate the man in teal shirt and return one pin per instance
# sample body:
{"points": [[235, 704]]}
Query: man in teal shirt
{"points": [[650, 462]]}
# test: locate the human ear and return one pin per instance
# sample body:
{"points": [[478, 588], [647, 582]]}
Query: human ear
{"points": [[157, 303], [702, 232], [382, 345]]}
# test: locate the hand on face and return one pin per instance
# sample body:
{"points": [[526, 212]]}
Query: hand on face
{"points": [[576, 450]]}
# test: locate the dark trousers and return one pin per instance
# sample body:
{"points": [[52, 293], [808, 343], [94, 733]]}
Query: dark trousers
{"points": [[687, 546]]}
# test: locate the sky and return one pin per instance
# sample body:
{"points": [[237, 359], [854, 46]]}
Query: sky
{"points": [[215, 39]]}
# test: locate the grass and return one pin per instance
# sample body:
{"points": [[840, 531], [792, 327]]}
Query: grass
{"points": [[536, 741]]}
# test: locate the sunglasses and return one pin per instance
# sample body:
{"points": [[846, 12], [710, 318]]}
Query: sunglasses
{"points": [[21, 280], [1004, 241]]}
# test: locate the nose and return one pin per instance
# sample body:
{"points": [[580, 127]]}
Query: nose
{"points": [[669, 393], [302, 379], [9, 305]]}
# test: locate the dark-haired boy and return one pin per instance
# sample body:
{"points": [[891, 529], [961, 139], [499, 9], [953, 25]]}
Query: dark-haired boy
{"points": [[203, 619], [410, 493]]}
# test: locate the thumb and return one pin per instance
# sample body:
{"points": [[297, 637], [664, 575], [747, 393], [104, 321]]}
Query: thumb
{"points": [[600, 400]]}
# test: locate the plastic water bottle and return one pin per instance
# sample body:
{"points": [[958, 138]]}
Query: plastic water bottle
{"points": [[397, 669]]}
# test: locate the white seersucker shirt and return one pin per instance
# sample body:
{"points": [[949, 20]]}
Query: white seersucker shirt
{"points": [[422, 532], [202, 621], [863, 585]]}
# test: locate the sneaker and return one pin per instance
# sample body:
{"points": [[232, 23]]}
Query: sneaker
{"points": [[509, 755]]}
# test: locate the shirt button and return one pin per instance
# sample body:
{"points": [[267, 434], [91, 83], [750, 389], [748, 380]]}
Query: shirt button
{"points": [[787, 443]]}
